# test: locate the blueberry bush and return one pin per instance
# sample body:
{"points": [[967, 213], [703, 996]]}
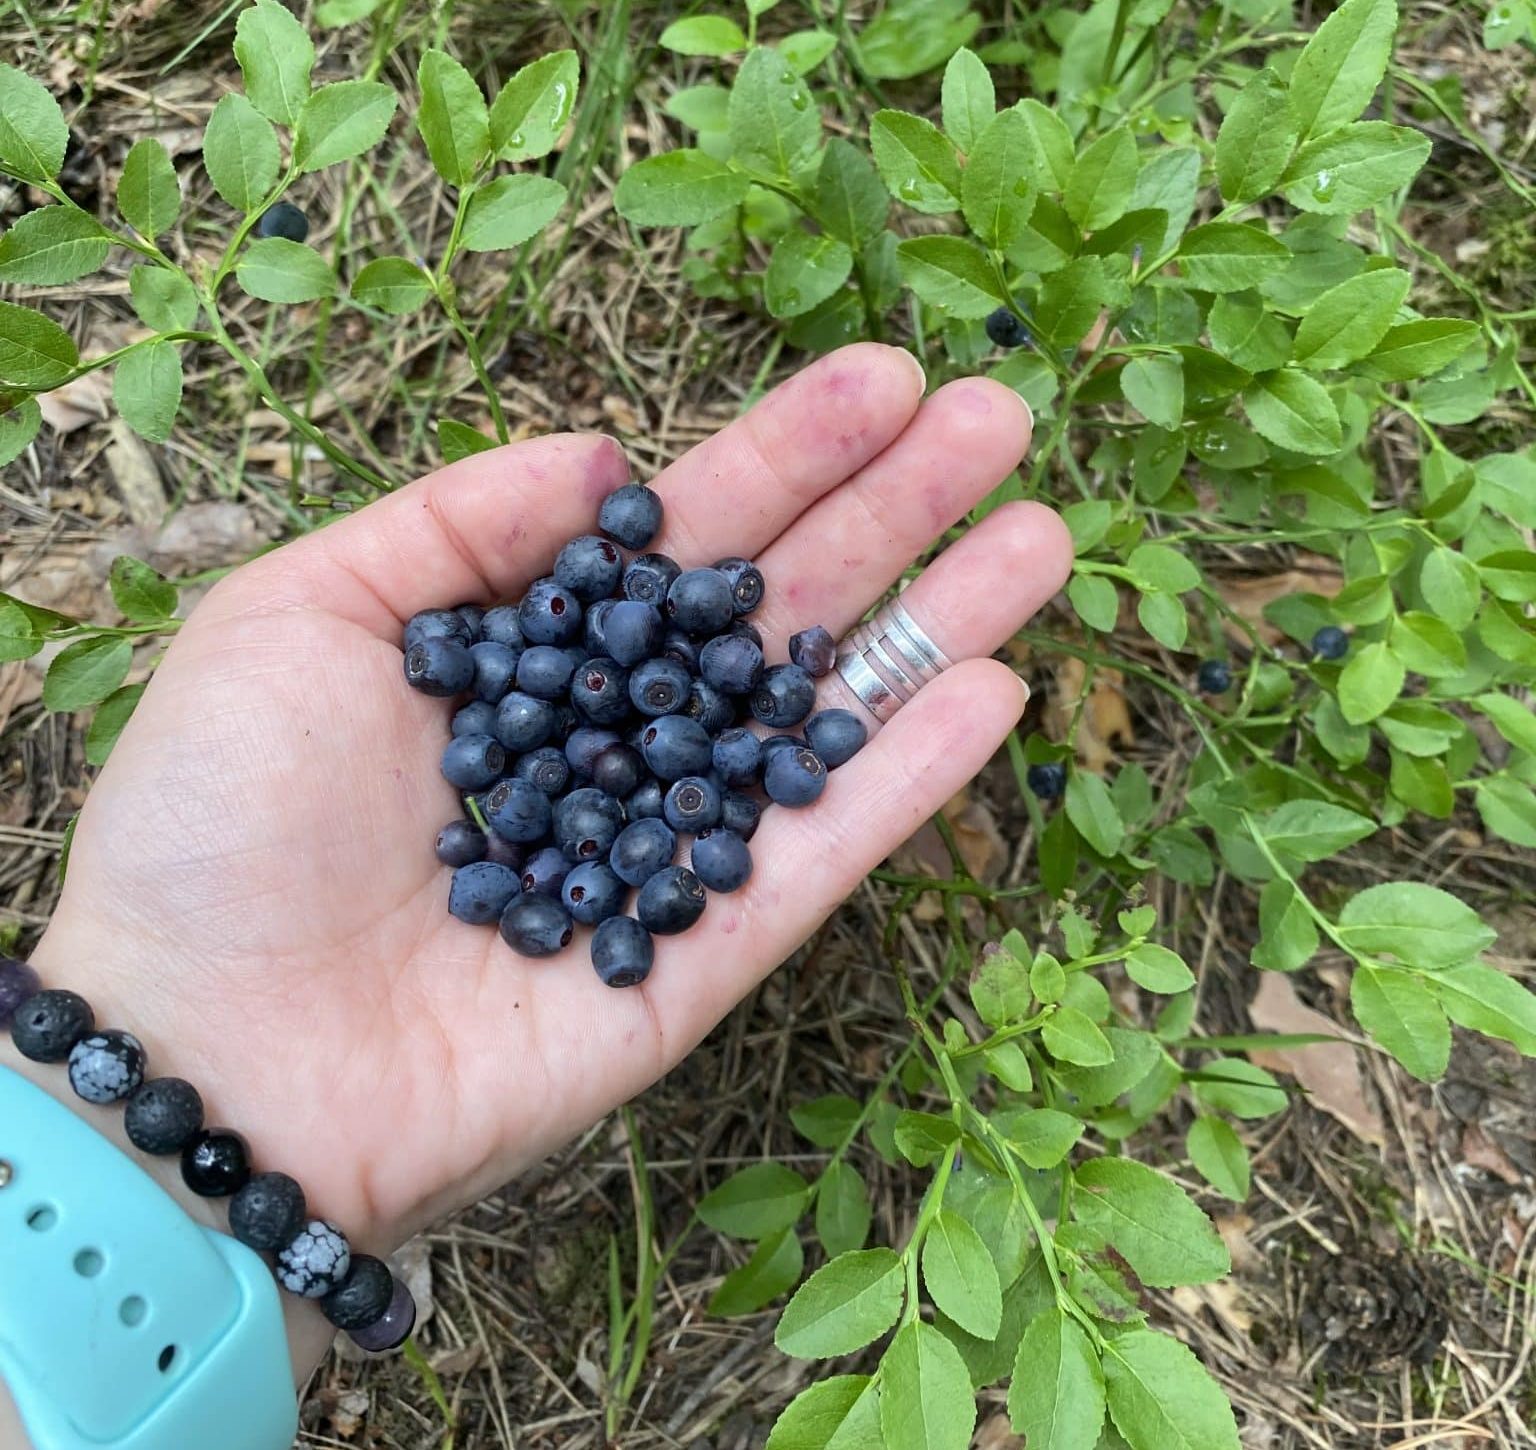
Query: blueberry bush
{"points": [[1178, 231]]}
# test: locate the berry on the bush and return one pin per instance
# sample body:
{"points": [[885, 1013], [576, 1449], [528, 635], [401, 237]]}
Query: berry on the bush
{"points": [[283, 219], [1330, 643], [1006, 329], [1048, 780], [1214, 678]]}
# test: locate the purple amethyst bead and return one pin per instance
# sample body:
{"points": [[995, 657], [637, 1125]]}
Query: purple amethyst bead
{"points": [[17, 982], [393, 1327]]}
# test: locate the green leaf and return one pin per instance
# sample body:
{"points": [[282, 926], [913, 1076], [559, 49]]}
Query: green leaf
{"points": [[1071, 1036], [452, 119], [509, 211], [394, 285], [1507, 574], [1219, 1157], [968, 98], [458, 440], [277, 270], [1043, 1136], [826, 1415], [1488, 1001], [1288, 937], [805, 269], [678, 189], [1349, 320], [1312, 830], [1245, 333], [1099, 189], [1165, 618], [18, 428], [1053, 144], [951, 273], [1095, 600], [341, 121], [1419, 349], [1256, 139], [917, 162], [1136, 1053], [1159, 970], [86, 671], [532, 109], [107, 723], [826, 1121], [1056, 1399], [52, 245], [1371, 681], [843, 1306], [1047, 978], [240, 152], [1421, 925], [139, 592], [1162, 1398], [755, 1202], [1232, 1085], [1401, 1013], [922, 1138], [913, 36], [997, 190], [1091, 808], [148, 193], [926, 1401], [1451, 586], [1229, 257], [1423, 785], [806, 49], [1008, 1064], [704, 35], [1000, 989], [1354, 167], [344, 12], [1154, 386], [1150, 1220], [1169, 182], [33, 135], [19, 639], [842, 1209], [774, 1268], [960, 1276], [850, 201], [1337, 73], [146, 386], [276, 56], [1294, 410], [1510, 718], [774, 122], [163, 299], [1427, 645]]}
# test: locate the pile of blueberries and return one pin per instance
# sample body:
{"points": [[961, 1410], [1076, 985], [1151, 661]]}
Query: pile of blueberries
{"points": [[608, 718]]}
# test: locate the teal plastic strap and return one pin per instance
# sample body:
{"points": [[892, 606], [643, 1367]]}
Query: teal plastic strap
{"points": [[125, 1325]]}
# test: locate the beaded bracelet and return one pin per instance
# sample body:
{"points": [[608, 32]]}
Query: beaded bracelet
{"points": [[162, 1116]]}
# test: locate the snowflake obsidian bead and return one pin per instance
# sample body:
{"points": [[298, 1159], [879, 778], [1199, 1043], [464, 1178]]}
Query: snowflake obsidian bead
{"points": [[105, 1067], [316, 1260]]}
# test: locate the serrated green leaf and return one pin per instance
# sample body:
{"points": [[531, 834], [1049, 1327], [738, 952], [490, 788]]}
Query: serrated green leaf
{"points": [[1219, 1157], [997, 188], [1154, 386], [1354, 167], [1091, 808], [18, 428], [1419, 349], [1056, 1399], [148, 193], [1288, 937], [826, 1416], [139, 592], [850, 201], [756, 1201], [913, 36], [1372, 679], [925, 1396], [276, 56], [1420, 925], [1009, 1065], [1401, 1013], [1340, 67], [1511, 719], [509, 211], [806, 49], [19, 638], [704, 35], [340, 121], [1488, 1001], [394, 285], [960, 1276], [1150, 1220], [33, 135], [1451, 586], [51, 246], [806, 268], [923, 1138], [458, 440], [1349, 320], [107, 723], [1136, 1053], [1256, 139], [826, 1121], [774, 1268], [1169, 182], [1095, 600], [86, 671], [842, 1209], [916, 161], [951, 273], [1043, 1136], [1099, 189], [968, 99], [532, 109], [1294, 410], [678, 189], [1243, 1089], [1506, 573], [453, 119], [1000, 989], [1312, 830], [1071, 300], [774, 122], [146, 386], [277, 270], [1244, 332], [1158, 969], [1427, 645], [1229, 257], [240, 152], [1047, 978], [164, 300], [1162, 1398], [843, 1306], [1071, 1036]]}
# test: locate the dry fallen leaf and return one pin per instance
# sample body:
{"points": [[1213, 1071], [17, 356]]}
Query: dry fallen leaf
{"points": [[1329, 1071], [1478, 1150], [1250, 595], [1106, 718], [137, 478], [80, 401], [1222, 1299], [995, 1433], [977, 837]]}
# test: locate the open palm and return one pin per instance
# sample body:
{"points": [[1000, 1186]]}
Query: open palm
{"points": [[252, 889]]}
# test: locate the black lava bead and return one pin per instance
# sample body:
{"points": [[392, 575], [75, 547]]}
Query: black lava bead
{"points": [[163, 1116], [215, 1163], [315, 1261], [104, 1067], [362, 1298], [268, 1212], [49, 1024]]}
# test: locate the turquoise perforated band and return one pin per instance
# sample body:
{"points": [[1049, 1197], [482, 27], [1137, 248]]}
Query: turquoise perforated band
{"points": [[124, 1325]]}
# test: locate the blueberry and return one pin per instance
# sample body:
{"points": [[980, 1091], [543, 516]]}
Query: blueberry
{"points": [[546, 768], [589, 567], [784, 696], [630, 516], [617, 770], [594, 628], [648, 578], [622, 952], [473, 616], [836, 736], [794, 777], [720, 860], [586, 824], [267, 1214], [545, 871], [701, 601], [315, 1261], [1330, 643], [692, 805], [593, 892], [814, 650], [772, 744], [519, 811], [475, 718], [731, 663], [105, 1067], [550, 614], [439, 666], [461, 842], [671, 901], [480, 892], [163, 1116], [283, 219], [215, 1163], [544, 672], [633, 631], [681, 647], [645, 803], [712, 708], [658, 687], [524, 723], [500, 626], [1047, 780], [746, 581], [1214, 678], [675, 746], [48, 1025], [436, 624], [536, 926], [600, 691], [739, 813], [504, 852], [1005, 329], [745, 629], [584, 745], [643, 848], [472, 762], [738, 757]]}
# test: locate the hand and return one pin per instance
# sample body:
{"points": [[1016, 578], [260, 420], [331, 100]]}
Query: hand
{"points": [[252, 889]]}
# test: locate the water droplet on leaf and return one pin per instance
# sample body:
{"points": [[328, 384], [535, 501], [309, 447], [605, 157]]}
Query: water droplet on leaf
{"points": [[909, 190]]}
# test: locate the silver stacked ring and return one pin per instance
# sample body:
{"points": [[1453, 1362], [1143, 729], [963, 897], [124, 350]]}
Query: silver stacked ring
{"points": [[886, 660]]}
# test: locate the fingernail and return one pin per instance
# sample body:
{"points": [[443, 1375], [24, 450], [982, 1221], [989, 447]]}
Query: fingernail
{"points": [[1030, 414], [922, 375]]}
